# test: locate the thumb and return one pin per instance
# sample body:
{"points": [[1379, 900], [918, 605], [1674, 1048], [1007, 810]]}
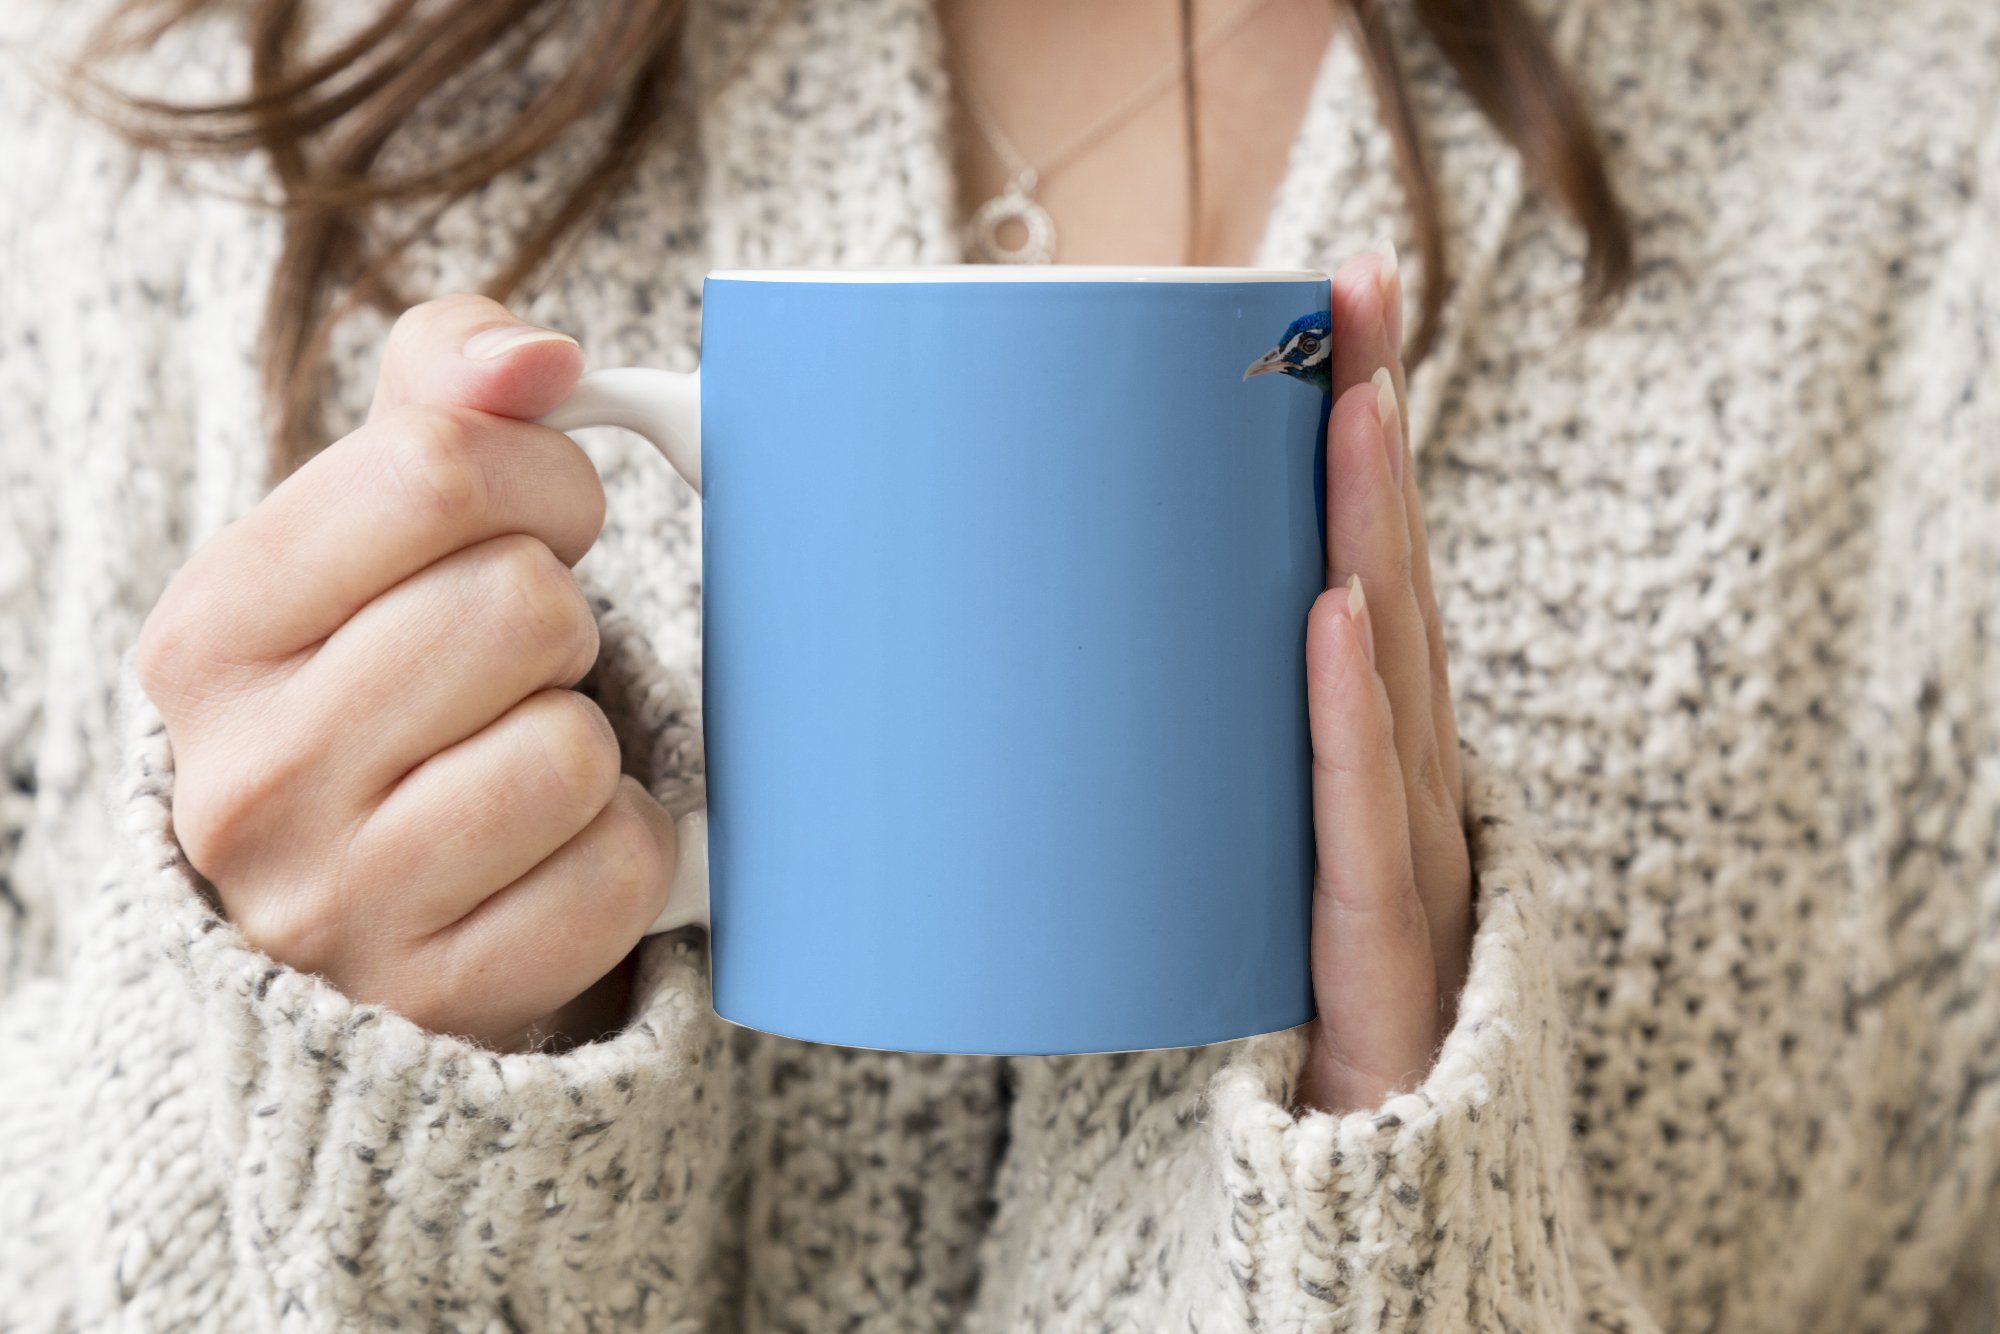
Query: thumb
{"points": [[470, 352]]}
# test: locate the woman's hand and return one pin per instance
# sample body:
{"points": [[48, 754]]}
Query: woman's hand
{"points": [[380, 764], [1392, 895]]}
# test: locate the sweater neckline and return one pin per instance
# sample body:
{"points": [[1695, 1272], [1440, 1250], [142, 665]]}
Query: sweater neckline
{"points": [[825, 141]]}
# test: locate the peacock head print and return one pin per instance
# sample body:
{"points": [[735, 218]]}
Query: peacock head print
{"points": [[1304, 353]]}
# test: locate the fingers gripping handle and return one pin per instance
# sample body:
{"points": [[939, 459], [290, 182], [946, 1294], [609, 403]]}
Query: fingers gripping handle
{"points": [[665, 408]]}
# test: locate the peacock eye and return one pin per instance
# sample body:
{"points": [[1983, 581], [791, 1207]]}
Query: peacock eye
{"points": [[1308, 344]]}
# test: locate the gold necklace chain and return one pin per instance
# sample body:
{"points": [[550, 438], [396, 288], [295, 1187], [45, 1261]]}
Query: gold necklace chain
{"points": [[1017, 202]]}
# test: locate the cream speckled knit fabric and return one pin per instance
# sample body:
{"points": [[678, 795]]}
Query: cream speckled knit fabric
{"points": [[1722, 578]]}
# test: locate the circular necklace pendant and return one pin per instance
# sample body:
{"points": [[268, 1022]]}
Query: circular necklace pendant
{"points": [[1015, 205]]}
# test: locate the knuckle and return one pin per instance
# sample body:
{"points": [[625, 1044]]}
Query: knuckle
{"points": [[220, 813], [579, 751], [1363, 757], [210, 829], [630, 863], [434, 458], [543, 609], [165, 658], [1392, 914], [177, 650]]}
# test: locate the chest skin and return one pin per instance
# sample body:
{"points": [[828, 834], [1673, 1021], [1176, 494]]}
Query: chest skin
{"points": [[1054, 76]]}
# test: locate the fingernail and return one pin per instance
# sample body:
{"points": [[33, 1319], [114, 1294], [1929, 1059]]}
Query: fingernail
{"points": [[1357, 616], [1389, 282], [1390, 411], [1387, 271], [491, 344]]}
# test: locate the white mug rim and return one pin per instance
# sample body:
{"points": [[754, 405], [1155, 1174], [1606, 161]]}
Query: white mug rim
{"points": [[1021, 273]]}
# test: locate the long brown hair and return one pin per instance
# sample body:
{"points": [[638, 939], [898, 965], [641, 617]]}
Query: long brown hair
{"points": [[323, 123]]}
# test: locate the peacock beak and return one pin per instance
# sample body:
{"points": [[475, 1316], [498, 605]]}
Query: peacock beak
{"points": [[1274, 360]]}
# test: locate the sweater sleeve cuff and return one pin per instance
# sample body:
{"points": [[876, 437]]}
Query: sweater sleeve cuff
{"points": [[1447, 1207], [371, 1167]]}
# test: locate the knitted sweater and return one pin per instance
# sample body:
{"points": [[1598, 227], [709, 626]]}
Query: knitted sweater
{"points": [[1722, 579]]}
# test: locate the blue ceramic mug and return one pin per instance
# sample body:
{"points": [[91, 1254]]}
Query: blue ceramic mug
{"points": [[1006, 573]]}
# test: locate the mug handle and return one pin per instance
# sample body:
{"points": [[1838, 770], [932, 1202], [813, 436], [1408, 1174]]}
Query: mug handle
{"points": [[665, 408]]}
